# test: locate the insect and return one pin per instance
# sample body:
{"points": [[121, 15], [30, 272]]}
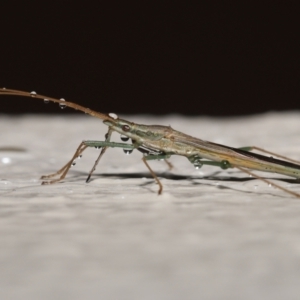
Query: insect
{"points": [[157, 142]]}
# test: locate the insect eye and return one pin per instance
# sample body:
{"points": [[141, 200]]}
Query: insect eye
{"points": [[125, 128]]}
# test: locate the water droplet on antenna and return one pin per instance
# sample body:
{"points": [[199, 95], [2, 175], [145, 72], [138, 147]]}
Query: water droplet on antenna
{"points": [[73, 164], [46, 101], [33, 94], [113, 115], [62, 105]]}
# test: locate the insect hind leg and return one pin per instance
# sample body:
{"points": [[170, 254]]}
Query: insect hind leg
{"points": [[251, 148], [268, 182]]}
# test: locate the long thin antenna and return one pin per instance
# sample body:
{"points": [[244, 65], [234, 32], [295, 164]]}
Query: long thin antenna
{"points": [[75, 106]]}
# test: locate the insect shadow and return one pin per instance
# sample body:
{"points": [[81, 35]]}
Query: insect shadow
{"points": [[215, 177]]}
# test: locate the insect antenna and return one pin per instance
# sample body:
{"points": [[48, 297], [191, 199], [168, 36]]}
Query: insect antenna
{"points": [[62, 102]]}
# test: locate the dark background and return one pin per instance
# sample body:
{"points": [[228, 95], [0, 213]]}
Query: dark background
{"points": [[216, 58]]}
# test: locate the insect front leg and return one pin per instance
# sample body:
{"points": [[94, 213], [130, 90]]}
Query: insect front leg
{"points": [[107, 139], [83, 145], [64, 170]]}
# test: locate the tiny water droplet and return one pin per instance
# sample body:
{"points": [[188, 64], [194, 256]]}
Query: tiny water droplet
{"points": [[4, 88], [113, 115], [250, 175], [73, 163], [198, 165], [97, 147], [5, 182], [127, 151], [124, 138], [46, 101], [269, 185], [6, 160], [79, 156], [33, 94], [62, 105]]}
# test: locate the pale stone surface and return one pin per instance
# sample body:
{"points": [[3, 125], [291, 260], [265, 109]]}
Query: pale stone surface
{"points": [[223, 237]]}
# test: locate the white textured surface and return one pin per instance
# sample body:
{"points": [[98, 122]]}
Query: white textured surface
{"points": [[114, 238]]}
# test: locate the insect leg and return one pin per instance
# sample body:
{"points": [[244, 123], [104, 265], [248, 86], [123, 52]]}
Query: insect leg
{"points": [[64, 170], [251, 148], [268, 182], [198, 162], [155, 157], [170, 166], [83, 145], [159, 155], [104, 145], [107, 139], [163, 157], [144, 159]]}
